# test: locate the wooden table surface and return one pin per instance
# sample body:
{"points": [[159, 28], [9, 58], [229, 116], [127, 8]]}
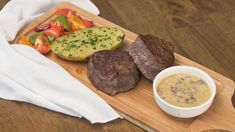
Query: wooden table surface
{"points": [[201, 30]]}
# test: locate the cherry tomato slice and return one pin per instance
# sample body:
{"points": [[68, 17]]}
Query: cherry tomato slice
{"points": [[53, 32], [55, 23], [64, 11], [43, 49], [42, 45], [56, 30], [67, 12]]}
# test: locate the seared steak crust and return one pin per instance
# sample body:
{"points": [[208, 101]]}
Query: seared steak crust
{"points": [[151, 55], [113, 71]]}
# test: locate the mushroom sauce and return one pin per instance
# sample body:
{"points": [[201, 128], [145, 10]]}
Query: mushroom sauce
{"points": [[184, 90]]}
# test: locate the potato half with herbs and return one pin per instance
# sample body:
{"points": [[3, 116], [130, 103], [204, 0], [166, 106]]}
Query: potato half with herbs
{"points": [[79, 45]]}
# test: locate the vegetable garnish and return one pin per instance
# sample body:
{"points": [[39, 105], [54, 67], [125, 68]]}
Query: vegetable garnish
{"points": [[65, 22], [64, 11], [42, 44], [77, 23], [42, 27], [33, 37], [25, 40]]}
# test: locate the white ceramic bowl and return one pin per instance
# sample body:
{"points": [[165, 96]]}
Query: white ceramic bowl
{"points": [[184, 112]]}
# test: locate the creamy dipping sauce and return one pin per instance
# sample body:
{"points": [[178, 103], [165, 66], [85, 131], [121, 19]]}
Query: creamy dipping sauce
{"points": [[184, 90]]}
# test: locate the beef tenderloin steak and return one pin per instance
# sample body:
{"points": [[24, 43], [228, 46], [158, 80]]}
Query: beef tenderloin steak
{"points": [[151, 55], [113, 71]]}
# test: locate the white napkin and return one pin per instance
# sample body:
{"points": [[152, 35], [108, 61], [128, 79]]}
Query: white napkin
{"points": [[28, 76]]}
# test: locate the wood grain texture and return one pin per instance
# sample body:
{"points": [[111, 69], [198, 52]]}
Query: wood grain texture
{"points": [[187, 35]]}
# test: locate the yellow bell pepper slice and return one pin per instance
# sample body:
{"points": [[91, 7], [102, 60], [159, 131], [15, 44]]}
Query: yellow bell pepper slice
{"points": [[77, 23], [25, 40]]}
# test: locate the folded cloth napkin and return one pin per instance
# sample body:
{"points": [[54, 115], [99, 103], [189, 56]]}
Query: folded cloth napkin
{"points": [[28, 76]]}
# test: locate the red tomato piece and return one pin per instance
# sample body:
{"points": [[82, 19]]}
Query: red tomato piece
{"points": [[64, 11], [55, 23], [56, 30], [78, 16], [87, 23], [70, 14], [42, 45]]}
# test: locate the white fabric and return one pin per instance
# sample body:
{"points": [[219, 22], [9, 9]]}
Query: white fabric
{"points": [[28, 76]]}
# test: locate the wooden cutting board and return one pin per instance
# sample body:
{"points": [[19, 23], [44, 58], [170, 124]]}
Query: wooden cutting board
{"points": [[138, 105]]}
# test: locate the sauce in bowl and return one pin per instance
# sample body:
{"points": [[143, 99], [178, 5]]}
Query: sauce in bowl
{"points": [[184, 90]]}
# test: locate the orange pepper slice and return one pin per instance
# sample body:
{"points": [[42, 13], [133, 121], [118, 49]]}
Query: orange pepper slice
{"points": [[25, 40], [77, 23]]}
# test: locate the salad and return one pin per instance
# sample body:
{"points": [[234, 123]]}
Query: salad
{"points": [[64, 22]]}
